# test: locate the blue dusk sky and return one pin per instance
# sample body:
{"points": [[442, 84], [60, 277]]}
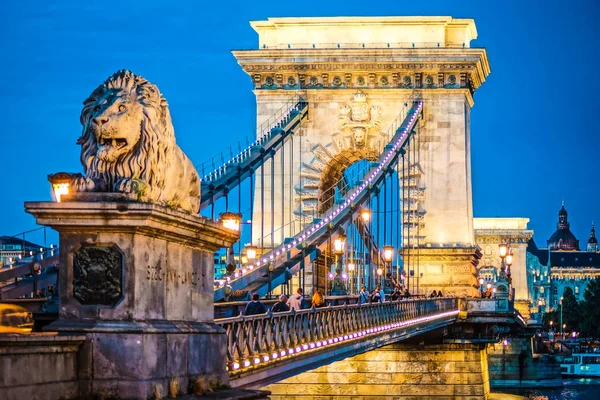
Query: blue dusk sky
{"points": [[535, 137]]}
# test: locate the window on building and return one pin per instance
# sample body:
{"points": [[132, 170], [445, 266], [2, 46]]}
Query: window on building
{"points": [[555, 290], [555, 302], [541, 289], [576, 289]]}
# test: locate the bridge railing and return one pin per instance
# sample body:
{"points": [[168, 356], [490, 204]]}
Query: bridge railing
{"points": [[260, 339]]}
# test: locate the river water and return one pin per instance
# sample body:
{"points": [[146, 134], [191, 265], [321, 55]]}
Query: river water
{"points": [[574, 389]]}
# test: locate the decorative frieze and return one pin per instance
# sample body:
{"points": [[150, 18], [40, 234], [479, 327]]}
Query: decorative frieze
{"points": [[403, 79]]}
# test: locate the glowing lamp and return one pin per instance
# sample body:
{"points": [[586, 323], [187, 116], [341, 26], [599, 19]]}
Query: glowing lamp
{"points": [[60, 183], [539, 302], [351, 267], [330, 275], [365, 214], [388, 253], [509, 260], [481, 281], [339, 244], [489, 285], [231, 220], [551, 323], [503, 250], [379, 271]]}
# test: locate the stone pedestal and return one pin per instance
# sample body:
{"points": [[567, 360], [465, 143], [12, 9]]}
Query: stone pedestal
{"points": [[137, 280], [449, 269]]}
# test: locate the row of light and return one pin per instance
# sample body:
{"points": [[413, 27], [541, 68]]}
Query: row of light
{"points": [[257, 142], [299, 238], [320, 344]]}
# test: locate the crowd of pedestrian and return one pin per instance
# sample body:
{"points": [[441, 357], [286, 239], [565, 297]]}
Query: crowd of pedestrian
{"points": [[294, 302]]}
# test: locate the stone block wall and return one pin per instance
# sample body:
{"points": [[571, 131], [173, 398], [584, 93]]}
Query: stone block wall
{"points": [[39, 366], [508, 368], [399, 372]]}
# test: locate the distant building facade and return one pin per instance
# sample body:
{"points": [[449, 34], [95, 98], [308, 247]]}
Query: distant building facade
{"points": [[560, 265], [490, 233], [13, 248]]}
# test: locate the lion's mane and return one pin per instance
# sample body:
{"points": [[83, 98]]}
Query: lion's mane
{"points": [[155, 159], [157, 135]]}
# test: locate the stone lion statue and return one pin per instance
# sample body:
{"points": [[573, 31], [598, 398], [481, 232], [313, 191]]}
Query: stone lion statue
{"points": [[128, 145]]}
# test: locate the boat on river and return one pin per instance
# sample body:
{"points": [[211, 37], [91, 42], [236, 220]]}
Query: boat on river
{"points": [[581, 365]]}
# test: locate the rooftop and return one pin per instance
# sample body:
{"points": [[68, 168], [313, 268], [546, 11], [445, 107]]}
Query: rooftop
{"points": [[323, 32]]}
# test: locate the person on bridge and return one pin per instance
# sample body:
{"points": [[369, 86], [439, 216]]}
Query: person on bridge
{"points": [[363, 296], [295, 301], [397, 293], [281, 305], [440, 293], [255, 306], [433, 294], [317, 300], [378, 296]]}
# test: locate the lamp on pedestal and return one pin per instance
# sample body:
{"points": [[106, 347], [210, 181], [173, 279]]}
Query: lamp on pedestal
{"points": [[60, 183], [231, 220]]}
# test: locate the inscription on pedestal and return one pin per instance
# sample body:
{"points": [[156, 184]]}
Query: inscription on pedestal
{"points": [[169, 275], [98, 275]]}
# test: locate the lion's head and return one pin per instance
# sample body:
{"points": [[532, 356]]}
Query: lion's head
{"points": [[126, 130]]}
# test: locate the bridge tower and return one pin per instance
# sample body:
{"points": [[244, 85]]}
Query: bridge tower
{"points": [[356, 73]]}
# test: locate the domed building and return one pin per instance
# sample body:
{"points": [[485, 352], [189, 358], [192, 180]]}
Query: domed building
{"points": [[562, 238], [562, 264]]}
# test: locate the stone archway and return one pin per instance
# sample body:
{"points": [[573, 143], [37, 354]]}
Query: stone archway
{"points": [[359, 138]]}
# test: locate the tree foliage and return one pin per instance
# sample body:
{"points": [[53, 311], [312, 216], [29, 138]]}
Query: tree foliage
{"points": [[571, 310], [590, 307]]}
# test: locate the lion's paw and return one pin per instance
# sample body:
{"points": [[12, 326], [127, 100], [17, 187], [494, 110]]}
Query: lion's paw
{"points": [[134, 186], [82, 184]]}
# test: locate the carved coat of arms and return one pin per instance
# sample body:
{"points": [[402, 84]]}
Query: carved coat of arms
{"points": [[97, 275], [358, 120]]}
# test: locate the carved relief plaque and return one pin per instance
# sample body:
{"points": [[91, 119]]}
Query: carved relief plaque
{"points": [[98, 275]]}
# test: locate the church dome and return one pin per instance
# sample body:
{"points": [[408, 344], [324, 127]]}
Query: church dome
{"points": [[563, 238]]}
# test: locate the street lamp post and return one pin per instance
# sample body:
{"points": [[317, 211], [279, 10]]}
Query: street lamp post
{"points": [[562, 326], [351, 268], [388, 257], [506, 260], [481, 280], [339, 244], [231, 220]]}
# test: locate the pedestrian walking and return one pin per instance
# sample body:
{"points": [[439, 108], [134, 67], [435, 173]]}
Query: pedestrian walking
{"points": [[363, 295], [255, 307], [317, 300], [396, 293], [295, 300], [281, 305]]}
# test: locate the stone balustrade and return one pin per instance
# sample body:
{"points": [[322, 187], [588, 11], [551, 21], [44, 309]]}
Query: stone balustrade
{"points": [[261, 340]]}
